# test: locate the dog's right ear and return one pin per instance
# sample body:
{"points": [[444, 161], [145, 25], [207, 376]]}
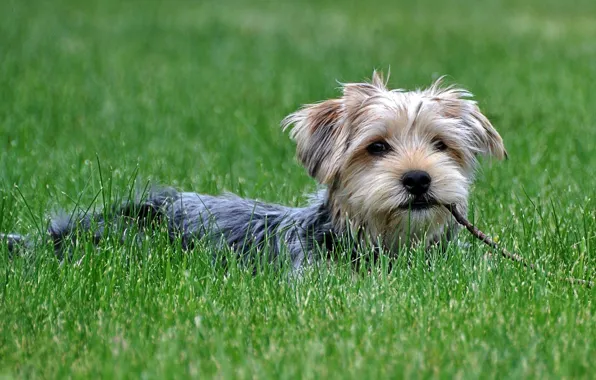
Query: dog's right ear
{"points": [[321, 131], [319, 134]]}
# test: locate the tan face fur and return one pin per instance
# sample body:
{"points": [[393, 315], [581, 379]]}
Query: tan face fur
{"points": [[364, 144]]}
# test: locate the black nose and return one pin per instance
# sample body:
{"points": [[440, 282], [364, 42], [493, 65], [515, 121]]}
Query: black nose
{"points": [[416, 182]]}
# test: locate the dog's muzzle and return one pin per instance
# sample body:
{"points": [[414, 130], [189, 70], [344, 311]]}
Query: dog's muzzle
{"points": [[419, 203]]}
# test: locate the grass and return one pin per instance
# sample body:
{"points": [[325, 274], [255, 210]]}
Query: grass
{"points": [[191, 94]]}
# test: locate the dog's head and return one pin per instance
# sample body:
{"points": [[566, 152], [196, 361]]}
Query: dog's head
{"points": [[389, 156]]}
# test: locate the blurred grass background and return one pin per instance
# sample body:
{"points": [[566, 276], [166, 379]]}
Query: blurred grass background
{"points": [[190, 94]]}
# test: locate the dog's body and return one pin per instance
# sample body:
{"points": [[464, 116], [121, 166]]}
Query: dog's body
{"points": [[242, 224], [388, 160]]}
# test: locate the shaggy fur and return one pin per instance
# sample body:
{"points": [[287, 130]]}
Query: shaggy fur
{"points": [[387, 161]]}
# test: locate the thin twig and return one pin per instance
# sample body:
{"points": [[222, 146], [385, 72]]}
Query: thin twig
{"points": [[508, 255]]}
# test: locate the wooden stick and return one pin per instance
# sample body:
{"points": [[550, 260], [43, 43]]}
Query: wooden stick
{"points": [[508, 255]]}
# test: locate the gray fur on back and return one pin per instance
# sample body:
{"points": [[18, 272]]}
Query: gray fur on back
{"points": [[244, 225]]}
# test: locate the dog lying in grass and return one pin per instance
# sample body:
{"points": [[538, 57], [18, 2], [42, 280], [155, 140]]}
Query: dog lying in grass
{"points": [[387, 160]]}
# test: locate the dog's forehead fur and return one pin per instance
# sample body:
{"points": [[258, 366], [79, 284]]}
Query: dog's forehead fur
{"points": [[403, 118]]}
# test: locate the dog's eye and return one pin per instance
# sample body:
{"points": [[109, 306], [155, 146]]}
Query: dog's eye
{"points": [[439, 145], [378, 148]]}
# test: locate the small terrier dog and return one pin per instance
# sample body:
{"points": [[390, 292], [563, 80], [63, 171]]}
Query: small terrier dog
{"points": [[388, 161]]}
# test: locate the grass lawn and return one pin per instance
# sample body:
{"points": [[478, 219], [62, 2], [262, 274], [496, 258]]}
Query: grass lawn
{"points": [[191, 94]]}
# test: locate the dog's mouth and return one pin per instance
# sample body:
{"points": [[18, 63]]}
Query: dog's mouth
{"points": [[419, 204]]}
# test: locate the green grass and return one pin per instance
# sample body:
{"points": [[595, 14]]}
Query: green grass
{"points": [[191, 94]]}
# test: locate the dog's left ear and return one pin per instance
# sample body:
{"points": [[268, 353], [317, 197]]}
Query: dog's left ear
{"points": [[456, 103], [487, 140]]}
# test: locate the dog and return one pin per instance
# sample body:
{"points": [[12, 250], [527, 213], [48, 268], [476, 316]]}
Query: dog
{"points": [[387, 162]]}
